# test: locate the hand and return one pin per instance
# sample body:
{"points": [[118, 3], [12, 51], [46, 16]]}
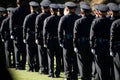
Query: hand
{"points": [[36, 41], [111, 54], [45, 45], [61, 45], [93, 51], [76, 50], [12, 37], [24, 40], [3, 40]]}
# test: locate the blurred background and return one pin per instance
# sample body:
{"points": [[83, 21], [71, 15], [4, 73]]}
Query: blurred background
{"points": [[7, 3]]}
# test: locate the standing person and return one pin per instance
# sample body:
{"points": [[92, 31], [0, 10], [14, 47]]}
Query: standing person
{"points": [[81, 42], [42, 51], [2, 17], [50, 38], [114, 15], [99, 41], [5, 33], [16, 27], [65, 35], [115, 47], [29, 37]]}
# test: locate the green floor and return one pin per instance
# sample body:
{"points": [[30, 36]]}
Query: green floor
{"points": [[24, 75]]}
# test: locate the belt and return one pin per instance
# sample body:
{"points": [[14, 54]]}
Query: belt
{"points": [[69, 36], [84, 38], [102, 40]]}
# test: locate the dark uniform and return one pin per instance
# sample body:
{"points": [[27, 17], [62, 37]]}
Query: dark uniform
{"points": [[50, 37], [81, 43], [2, 48], [5, 33], [29, 38], [65, 34], [99, 40], [114, 15], [16, 27], [42, 51], [115, 47]]}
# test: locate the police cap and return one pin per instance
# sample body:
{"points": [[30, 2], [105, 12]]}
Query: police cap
{"points": [[84, 3], [70, 4], [10, 9], [33, 3], [46, 1], [85, 7], [113, 7], [54, 6], [103, 8], [2, 9], [61, 6], [44, 4]]}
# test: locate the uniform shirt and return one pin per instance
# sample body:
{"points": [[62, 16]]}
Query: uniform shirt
{"points": [[115, 34], [82, 28], [65, 29], [16, 20], [29, 26], [50, 28], [100, 29], [39, 24], [5, 31]]}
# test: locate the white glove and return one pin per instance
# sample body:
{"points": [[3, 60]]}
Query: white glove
{"points": [[36, 41], [111, 53], [76, 50], [61, 45], [24, 41], [93, 51], [2, 40], [12, 37], [45, 45]]}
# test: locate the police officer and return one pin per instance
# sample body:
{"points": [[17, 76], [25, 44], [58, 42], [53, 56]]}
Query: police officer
{"points": [[81, 42], [113, 11], [2, 17], [65, 34], [115, 47], [50, 37], [61, 9], [5, 33], [16, 22], [42, 52], [99, 40], [29, 37], [114, 15]]}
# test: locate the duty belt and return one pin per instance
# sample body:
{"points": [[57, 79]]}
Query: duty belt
{"points": [[69, 36], [102, 40], [84, 39]]}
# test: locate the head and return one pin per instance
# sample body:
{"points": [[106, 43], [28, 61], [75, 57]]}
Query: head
{"points": [[33, 6], [54, 8], [113, 9], [44, 6], [85, 9], [102, 10], [70, 7]]}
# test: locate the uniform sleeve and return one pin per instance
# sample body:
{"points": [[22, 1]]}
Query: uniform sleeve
{"points": [[75, 34], [2, 29], [112, 34], [92, 34], [60, 30], [25, 25], [45, 31], [36, 27]]}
